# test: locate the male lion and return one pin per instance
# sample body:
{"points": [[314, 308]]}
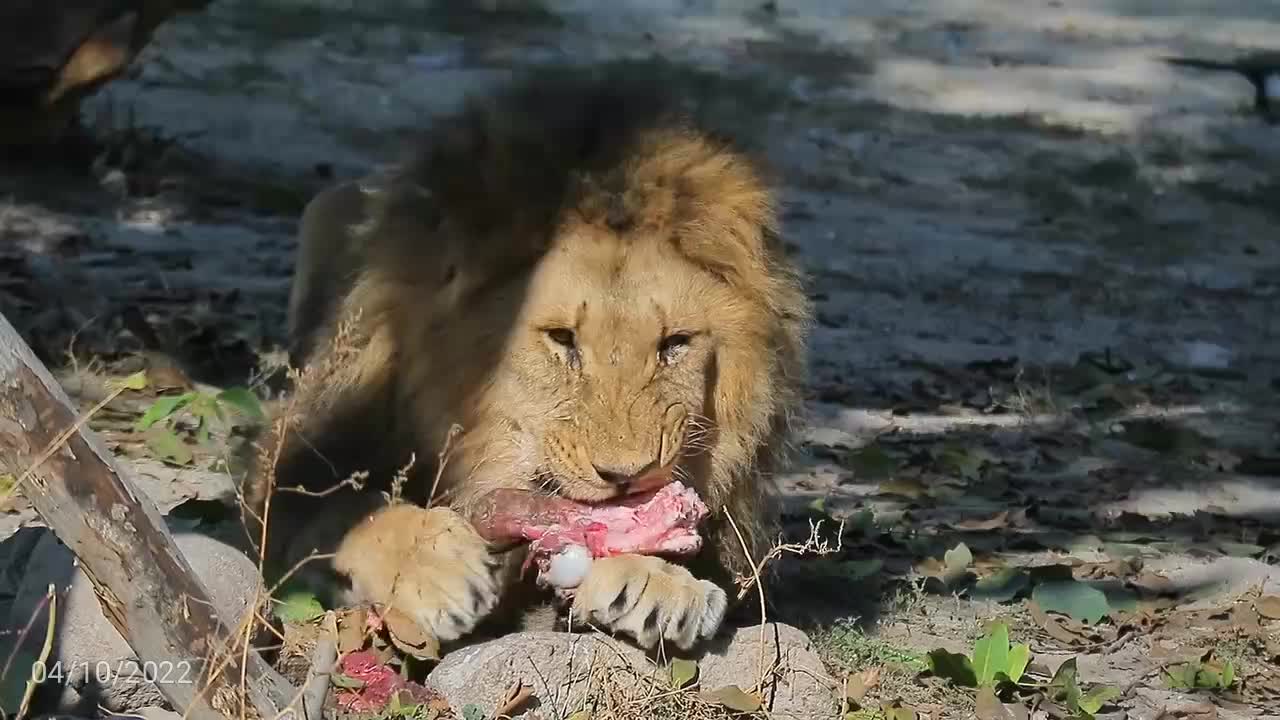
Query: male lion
{"points": [[592, 289]]}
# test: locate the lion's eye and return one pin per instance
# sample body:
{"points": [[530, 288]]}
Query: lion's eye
{"points": [[672, 347], [563, 337]]}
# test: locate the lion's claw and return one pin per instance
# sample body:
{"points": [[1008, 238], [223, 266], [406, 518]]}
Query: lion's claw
{"points": [[650, 599]]}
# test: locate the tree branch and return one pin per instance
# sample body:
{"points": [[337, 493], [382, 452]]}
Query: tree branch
{"points": [[144, 584]]}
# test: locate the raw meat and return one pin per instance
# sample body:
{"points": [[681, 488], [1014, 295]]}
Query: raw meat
{"points": [[663, 522]]}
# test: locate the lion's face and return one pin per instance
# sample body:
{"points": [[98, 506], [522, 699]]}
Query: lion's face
{"points": [[616, 356]]}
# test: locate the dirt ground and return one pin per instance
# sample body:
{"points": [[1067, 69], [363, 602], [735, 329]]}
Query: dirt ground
{"points": [[1046, 266]]}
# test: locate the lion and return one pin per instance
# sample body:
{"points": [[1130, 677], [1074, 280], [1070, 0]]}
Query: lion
{"points": [[593, 288]]}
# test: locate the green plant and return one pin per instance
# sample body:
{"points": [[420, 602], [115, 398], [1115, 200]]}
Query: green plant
{"points": [[992, 663], [207, 409], [1205, 673]]}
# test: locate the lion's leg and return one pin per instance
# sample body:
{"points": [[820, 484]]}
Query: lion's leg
{"points": [[650, 599]]}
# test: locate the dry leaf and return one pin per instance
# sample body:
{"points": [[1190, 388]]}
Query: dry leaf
{"points": [[999, 520], [1153, 584], [409, 637], [732, 697], [858, 684], [351, 630], [1058, 629], [1244, 619], [897, 711], [1268, 606], [989, 707]]}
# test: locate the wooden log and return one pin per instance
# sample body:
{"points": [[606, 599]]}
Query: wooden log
{"points": [[146, 588]]}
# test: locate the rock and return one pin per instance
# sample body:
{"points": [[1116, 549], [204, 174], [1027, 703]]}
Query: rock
{"points": [[565, 669], [89, 656]]}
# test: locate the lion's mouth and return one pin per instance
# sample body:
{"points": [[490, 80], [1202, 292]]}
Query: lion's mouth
{"points": [[601, 490]]}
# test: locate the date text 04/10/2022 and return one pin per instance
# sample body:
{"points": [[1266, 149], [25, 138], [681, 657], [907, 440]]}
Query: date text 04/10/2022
{"points": [[160, 672]]}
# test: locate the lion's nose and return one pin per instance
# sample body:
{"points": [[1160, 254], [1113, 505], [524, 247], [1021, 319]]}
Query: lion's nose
{"points": [[635, 480], [615, 475]]}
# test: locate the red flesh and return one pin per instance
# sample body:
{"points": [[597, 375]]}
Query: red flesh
{"points": [[660, 522]]}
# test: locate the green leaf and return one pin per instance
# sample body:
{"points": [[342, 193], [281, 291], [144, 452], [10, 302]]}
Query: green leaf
{"points": [[1064, 687], [1236, 549], [580, 715], [298, 605], [1228, 675], [346, 681], [168, 446], [991, 655], [1083, 603], [1003, 586], [734, 698], [952, 666], [965, 462], [871, 463], [682, 672], [136, 381], [1092, 701], [162, 408], [471, 711], [1019, 658], [243, 400]]}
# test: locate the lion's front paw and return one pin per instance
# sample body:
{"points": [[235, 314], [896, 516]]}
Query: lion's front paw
{"points": [[650, 599], [428, 563]]}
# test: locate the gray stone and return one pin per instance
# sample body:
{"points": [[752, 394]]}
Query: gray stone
{"points": [[89, 657], [565, 669]]}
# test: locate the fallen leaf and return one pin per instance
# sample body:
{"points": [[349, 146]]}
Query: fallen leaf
{"points": [[352, 629], [1002, 586], [733, 697], [871, 463], [952, 666], [1152, 584], [897, 711], [1268, 606], [858, 684], [409, 636], [1077, 600], [1064, 687], [1055, 628], [999, 520], [964, 462], [1093, 701], [343, 681], [682, 672], [1245, 619], [989, 707], [1235, 549], [957, 561], [910, 488], [168, 447]]}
